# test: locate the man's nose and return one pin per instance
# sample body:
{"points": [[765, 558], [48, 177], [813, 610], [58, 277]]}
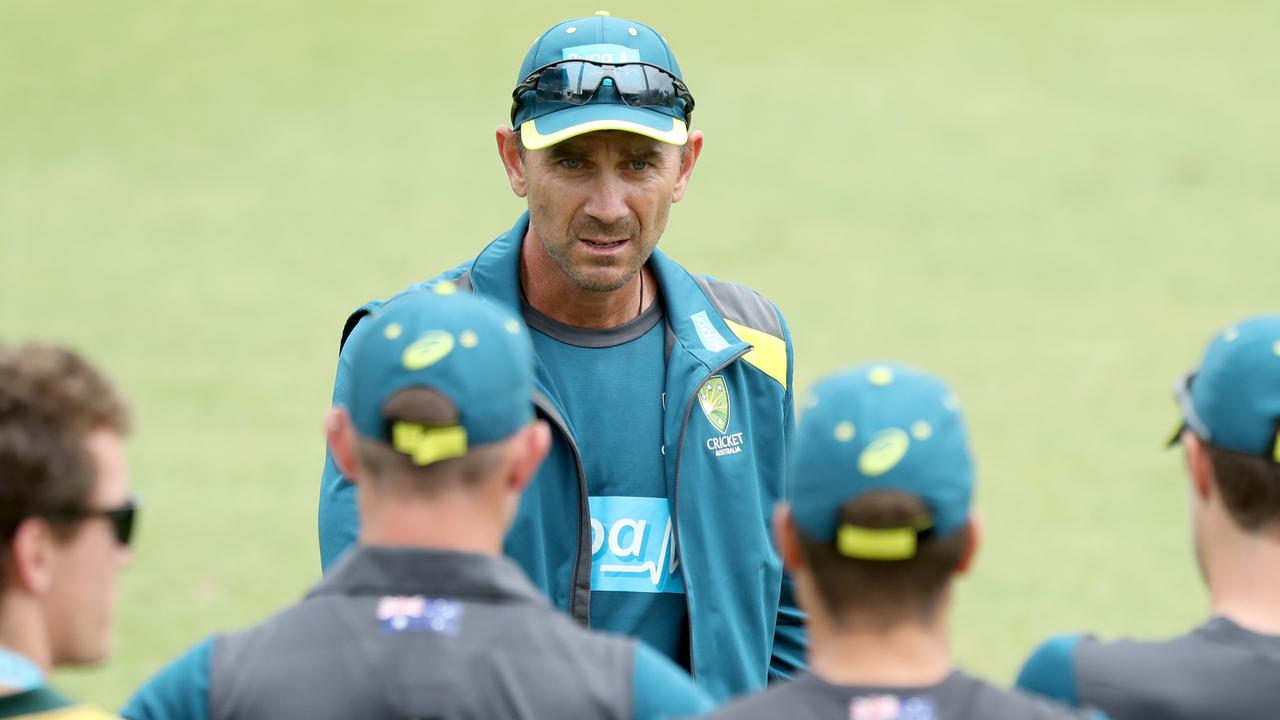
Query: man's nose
{"points": [[608, 200]]}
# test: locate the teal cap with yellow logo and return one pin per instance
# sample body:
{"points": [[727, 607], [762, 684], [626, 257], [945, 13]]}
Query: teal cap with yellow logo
{"points": [[1232, 401], [454, 343], [600, 73], [880, 427]]}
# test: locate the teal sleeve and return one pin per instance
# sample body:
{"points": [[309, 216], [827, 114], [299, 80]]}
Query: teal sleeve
{"points": [[790, 641], [178, 692], [337, 522], [1050, 671], [663, 690]]}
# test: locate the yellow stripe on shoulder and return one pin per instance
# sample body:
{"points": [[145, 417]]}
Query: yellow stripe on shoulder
{"points": [[75, 712], [769, 353]]}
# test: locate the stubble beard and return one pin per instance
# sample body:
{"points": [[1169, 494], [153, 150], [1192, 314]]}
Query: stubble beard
{"points": [[579, 274]]}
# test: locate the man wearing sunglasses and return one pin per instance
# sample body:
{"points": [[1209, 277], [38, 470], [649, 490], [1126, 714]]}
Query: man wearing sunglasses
{"points": [[65, 522], [1227, 667], [425, 619], [668, 393]]}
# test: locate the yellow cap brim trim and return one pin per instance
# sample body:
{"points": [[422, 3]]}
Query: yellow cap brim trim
{"points": [[427, 445], [534, 140]]}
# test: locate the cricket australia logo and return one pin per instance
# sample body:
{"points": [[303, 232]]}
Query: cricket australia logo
{"points": [[713, 398]]}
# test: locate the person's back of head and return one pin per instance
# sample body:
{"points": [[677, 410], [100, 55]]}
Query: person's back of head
{"points": [[880, 495], [868, 593], [878, 528], [1230, 432], [65, 510], [1230, 407], [438, 421]]}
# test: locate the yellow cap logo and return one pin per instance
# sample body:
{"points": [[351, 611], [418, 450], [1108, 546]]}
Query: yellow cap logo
{"points": [[884, 452], [427, 350], [880, 376], [921, 430], [845, 431]]}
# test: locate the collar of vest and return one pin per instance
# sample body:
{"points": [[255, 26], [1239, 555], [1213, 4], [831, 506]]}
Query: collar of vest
{"points": [[693, 318], [372, 571]]}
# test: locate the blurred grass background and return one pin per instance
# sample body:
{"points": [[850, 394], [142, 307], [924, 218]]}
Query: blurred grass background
{"points": [[1051, 205]]}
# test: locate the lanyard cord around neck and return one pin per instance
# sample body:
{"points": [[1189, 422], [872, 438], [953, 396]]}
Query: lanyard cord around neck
{"points": [[18, 673]]}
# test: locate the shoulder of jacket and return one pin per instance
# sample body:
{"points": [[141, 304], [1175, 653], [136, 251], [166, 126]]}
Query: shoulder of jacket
{"points": [[741, 305], [755, 320]]}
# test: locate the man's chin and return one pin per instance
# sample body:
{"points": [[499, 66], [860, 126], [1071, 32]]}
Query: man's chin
{"points": [[603, 283]]}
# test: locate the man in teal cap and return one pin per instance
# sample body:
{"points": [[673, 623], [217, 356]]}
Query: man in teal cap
{"points": [[668, 393], [878, 528], [425, 618], [1228, 666]]}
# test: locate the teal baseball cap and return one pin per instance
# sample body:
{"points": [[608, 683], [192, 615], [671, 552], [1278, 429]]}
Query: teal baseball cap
{"points": [[600, 73], [880, 427], [1232, 401], [455, 343]]}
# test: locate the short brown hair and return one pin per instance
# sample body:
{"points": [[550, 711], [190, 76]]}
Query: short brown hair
{"points": [[878, 593], [50, 399], [1250, 486], [394, 471]]}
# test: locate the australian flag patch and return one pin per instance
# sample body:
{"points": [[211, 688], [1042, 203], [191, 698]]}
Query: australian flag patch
{"points": [[415, 613], [892, 707]]}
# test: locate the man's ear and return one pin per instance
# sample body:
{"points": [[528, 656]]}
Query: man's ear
{"points": [[532, 445], [973, 540], [692, 149], [1199, 466], [31, 556], [512, 160], [341, 436], [785, 538]]}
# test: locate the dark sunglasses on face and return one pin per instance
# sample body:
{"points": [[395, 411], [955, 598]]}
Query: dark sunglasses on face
{"points": [[575, 82], [121, 518]]}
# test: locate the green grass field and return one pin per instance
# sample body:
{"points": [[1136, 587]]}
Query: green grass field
{"points": [[1051, 205]]}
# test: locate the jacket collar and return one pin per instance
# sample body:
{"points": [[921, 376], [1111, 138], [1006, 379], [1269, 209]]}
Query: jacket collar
{"points": [[696, 323], [369, 571]]}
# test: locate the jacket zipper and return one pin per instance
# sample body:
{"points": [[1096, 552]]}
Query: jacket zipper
{"points": [[540, 402], [675, 490]]}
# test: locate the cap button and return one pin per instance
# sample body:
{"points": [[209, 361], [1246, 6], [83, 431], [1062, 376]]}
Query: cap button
{"points": [[602, 13]]}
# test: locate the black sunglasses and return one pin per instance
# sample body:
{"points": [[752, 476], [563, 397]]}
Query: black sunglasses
{"points": [[575, 82], [121, 518]]}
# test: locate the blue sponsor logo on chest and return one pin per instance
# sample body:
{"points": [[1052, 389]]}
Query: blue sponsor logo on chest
{"points": [[633, 546]]}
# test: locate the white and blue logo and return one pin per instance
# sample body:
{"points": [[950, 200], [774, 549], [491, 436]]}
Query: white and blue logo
{"points": [[633, 548], [602, 52]]}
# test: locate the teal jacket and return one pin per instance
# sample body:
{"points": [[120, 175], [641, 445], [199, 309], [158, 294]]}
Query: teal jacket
{"points": [[726, 459]]}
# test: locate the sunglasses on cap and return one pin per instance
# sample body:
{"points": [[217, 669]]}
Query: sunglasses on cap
{"points": [[121, 518], [1186, 405], [575, 82]]}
